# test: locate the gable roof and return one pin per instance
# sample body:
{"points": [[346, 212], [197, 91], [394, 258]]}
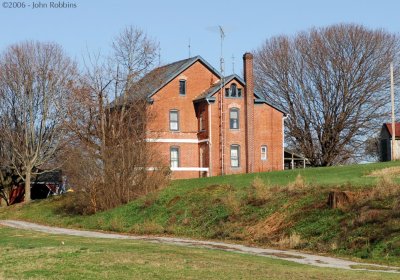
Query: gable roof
{"points": [[217, 86], [161, 76], [208, 94], [388, 126]]}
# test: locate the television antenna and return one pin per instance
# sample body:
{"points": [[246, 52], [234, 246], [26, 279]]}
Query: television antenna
{"points": [[221, 60]]}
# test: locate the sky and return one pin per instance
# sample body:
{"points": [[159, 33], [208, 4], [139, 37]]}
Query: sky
{"points": [[94, 23]]}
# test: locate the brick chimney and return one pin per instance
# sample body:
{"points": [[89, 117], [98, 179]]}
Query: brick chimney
{"points": [[249, 110]]}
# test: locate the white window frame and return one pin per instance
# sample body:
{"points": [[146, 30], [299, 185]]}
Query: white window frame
{"points": [[173, 160], [171, 122], [264, 152], [238, 118], [237, 148]]}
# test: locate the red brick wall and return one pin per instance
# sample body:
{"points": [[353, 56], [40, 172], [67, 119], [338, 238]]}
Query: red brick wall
{"points": [[267, 125], [268, 131], [198, 79]]}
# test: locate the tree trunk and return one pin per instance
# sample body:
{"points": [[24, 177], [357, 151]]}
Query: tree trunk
{"points": [[28, 185]]}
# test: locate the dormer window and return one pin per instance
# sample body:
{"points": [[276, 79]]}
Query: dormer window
{"points": [[182, 87], [233, 91]]}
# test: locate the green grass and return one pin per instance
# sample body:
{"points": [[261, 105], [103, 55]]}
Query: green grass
{"points": [[327, 176], [228, 208], [33, 255]]}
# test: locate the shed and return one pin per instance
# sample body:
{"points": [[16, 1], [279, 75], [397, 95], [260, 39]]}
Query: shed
{"points": [[293, 160], [385, 148]]}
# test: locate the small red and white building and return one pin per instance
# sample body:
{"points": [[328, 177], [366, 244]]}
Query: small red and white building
{"points": [[204, 124]]}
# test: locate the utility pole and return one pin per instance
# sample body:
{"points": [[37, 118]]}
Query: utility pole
{"points": [[394, 146]]}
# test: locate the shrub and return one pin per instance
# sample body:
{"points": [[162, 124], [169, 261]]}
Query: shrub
{"points": [[259, 193]]}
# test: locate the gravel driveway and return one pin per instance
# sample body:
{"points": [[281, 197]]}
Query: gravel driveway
{"points": [[298, 257]]}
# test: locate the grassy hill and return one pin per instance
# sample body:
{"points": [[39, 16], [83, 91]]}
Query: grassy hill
{"points": [[285, 209]]}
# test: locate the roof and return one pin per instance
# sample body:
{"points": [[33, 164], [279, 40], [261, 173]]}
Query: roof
{"points": [[54, 177], [261, 99], [156, 79], [389, 128], [212, 90]]}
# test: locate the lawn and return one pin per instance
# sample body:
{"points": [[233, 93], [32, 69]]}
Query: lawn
{"points": [[264, 209], [33, 255]]}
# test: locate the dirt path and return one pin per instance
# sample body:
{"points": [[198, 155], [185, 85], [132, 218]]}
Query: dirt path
{"points": [[293, 256]]}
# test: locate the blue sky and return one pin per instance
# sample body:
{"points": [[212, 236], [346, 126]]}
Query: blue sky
{"points": [[94, 23]]}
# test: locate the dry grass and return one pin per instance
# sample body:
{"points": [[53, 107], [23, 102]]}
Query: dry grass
{"points": [[148, 227], [386, 172], [260, 193], [292, 241], [232, 203], [384, 188], [299, 184], [268, 228]]}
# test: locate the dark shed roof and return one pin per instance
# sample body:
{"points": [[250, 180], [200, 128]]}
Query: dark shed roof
{"points": [[388, 126]]}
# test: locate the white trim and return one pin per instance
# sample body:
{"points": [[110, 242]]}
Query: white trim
{"points": [[172, 140], [189, 169], [181, 168]]}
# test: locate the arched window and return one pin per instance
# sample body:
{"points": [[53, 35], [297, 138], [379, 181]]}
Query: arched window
{"points": [[234, 118], [264, 152], [233, 91]]}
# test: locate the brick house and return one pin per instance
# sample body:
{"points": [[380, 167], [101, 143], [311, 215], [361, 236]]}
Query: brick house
{"points": [[204, 124]]}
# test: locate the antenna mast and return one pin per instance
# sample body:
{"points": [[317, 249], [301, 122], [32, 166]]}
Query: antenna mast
{"points": [[221, 60], [233, 64], [189, 46]]}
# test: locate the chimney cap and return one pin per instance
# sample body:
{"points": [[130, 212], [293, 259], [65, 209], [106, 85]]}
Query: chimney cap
{"points": [[248, 55]]}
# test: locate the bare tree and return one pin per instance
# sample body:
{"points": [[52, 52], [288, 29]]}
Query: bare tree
{"points": [[113, 156], [333, 82], [35, 79]]}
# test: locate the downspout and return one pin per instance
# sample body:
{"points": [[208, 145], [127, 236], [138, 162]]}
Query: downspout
{"points": [[283, 140], [209, 141]]}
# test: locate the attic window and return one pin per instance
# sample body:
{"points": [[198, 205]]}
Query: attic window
{"points": [[233, 91], [182, 87]]}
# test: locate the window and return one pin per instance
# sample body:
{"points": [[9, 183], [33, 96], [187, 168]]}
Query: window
{"points": [[233, 91], [182, 87], [235, 155], [264, 152], [174, 156], [174, 120], [234, 118], [201, 121]]}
